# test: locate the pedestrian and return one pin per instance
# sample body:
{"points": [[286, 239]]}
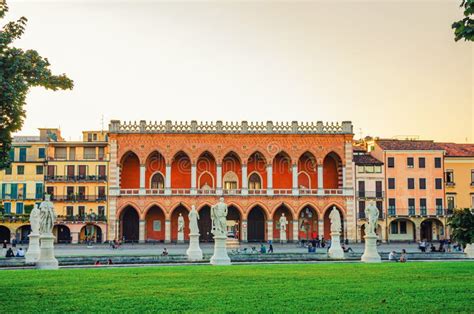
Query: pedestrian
{"points": [[165, 252], [109, 262], [270, 248], [4, 244], [10, 253], [403, 256], [392, 257], [20, 253], [263, 249]]}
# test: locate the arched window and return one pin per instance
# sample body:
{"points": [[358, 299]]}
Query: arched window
{"points": [[157, 181], [231, 181], [255, 182]]}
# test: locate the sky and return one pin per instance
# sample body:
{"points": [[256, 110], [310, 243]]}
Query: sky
{"points": [[391, 67]]}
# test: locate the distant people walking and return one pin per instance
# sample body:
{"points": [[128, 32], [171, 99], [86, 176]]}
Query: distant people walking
{"points": [[270, 248]]}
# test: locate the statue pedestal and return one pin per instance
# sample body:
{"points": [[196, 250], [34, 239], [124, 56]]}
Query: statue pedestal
{"points": [[335, 251], [370, 253], [194, 252], [282, 236], [469, 250], [181, 237], [220, 256], [46, 258], [33, 252]]}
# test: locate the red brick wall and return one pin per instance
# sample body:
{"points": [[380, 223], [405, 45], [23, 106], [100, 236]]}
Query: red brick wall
{"points": [[307, 164], [282, 174], [155, 213], [130, 174], [256, 163], [232, 163], [330, 173], [155, 162], [181, 172], [206, 171]]}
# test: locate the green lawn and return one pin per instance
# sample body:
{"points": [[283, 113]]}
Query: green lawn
{"points": [[414, 286]]}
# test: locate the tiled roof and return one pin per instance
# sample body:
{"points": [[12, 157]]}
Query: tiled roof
{"points": [[407, 145], [457, 150], [366, 160]]}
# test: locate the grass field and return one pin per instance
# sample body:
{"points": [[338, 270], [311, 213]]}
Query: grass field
{"points": [[414, 286]]}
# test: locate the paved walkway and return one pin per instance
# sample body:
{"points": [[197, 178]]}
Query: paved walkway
{"points": [[156, 249]]}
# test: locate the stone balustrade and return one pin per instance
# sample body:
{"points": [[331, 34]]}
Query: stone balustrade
{"points": [[219, 127]]}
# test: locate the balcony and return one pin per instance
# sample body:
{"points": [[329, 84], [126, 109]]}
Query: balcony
{"points": [[78, 198], [450, 184], [413, 212], [362, 215], [86, 157], [272, 192], [26, 197], [80, 178], [370, 194], [82, 219]]}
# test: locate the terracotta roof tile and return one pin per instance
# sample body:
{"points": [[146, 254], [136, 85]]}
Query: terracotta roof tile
{"points": [[366, 160], [458, 150], [407, 145]]}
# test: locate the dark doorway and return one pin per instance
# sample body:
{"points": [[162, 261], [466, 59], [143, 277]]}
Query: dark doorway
{"points": [[130, 225], [256, 225], [22, 234], [63, 234], [205, 224], [4, 234], [233, 223]]}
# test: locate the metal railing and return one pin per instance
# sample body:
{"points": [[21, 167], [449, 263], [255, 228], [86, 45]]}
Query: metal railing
{"points": [[78, 198], [78, 178], [412, 211], [28, 196]]}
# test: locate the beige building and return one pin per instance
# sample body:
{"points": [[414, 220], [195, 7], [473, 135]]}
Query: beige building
{"points": [[370, 187], [459, 175]]}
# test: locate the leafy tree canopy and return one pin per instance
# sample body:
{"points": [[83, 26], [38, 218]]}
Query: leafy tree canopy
{"points": [[19, 70], [462, 226], [464, 29]]}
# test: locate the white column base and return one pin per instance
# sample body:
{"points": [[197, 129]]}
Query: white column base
{"points": [[46, 259], [335, 251], [33, 252], [194, 252], [469, 250], [220, 256], [180, 237], [283, 236], [370, 253]]}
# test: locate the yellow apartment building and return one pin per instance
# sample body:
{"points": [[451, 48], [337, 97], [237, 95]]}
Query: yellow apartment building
{"points": [[76, 179], [22, 184], [459, 175]]}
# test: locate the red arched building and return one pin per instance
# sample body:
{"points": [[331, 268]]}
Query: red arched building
{"points": [[159, 170]]}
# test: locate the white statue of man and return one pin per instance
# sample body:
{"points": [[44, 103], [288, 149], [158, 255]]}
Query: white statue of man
{"points": [[47, 216], [335, 218], [372, 214], [219, 218], [180, 223], [35, 220], [283, 222], [193, 220]]}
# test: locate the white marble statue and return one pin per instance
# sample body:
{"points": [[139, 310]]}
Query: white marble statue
{"points": [[219, 230], [35, 220], [47, 216], [335, 218], [180, 223], [193, 220], [219, 218], [283, 222], [372, 214]]}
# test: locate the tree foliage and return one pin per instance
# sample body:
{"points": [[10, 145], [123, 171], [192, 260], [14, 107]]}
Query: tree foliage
{"points": [[19, 71], [464, 29], [462, 226]]}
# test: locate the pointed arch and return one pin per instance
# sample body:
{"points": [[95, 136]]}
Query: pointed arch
{"points": [[231, 171], [181, 171], [130, 171], [307, 171], [282, 172], [332, 171], [155, 163]]}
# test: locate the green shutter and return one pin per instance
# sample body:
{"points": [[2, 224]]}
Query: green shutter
{"points": [[39, 191], [3, 190], [11, 154], [24, 191], [23, 154], [14, 191]]}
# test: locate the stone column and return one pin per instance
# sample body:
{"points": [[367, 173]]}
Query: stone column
{"points": [[244, 180], [141, 231], [112, 222], [294, 172], [167, 231], [344, 177], [75, 237], [269, 230], [168, 180], [219, 179], [269, 179], [417, 233], [295, 231], [244, 231], [193, 179], [321, 228], [320, 179], [33, 252], [142, 179]]}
